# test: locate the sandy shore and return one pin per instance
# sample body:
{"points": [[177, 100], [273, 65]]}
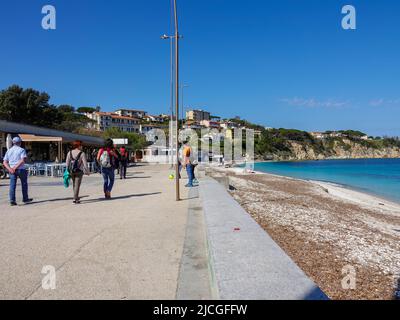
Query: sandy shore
{"points": [[325, 227]]}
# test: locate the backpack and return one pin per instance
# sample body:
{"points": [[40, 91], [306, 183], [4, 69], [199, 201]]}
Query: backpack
{"points": [[105, 159], [74, 166]]}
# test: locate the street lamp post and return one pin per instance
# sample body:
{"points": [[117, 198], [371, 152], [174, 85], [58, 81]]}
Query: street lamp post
{"points": [[175, 37], [171, 128], [177, 99], [183, 86]]}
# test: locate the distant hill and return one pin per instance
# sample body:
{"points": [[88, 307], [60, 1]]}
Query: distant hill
{"points": [[290, 144]]}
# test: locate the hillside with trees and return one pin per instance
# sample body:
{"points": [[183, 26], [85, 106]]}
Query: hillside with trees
{"points": [[290, 144], [32, 107]]}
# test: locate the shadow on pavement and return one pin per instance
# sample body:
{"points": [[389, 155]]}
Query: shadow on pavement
{"points": [[189, 198], [128, 178], [55, 200], [120, 198]]}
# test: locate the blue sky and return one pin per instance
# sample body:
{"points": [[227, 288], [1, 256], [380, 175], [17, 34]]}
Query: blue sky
{"points": [[285, 63]]}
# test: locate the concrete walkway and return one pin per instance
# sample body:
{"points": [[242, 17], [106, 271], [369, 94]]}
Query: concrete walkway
{"points": [[142, 244], [128, 248]]}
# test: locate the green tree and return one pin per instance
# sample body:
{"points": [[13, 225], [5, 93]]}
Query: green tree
{"points": [[86, 110], [28, 106], [65, 108]]}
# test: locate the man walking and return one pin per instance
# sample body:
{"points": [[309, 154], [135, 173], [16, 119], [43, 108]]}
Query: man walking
{"points": [[123, 162], [14, 162]]}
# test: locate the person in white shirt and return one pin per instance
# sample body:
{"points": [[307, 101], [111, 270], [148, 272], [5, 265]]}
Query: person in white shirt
{"points": [[14, 162]]}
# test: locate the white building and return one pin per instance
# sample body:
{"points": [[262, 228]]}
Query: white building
{"points": [[228, 125], [145, 128], [210, 124], [192, 125], [131, 113], [197, 115], [106, 120], [157, 119]]}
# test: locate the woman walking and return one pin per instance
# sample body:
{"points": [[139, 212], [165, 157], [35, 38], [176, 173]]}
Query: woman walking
{"points": [[77, 167], [107, 160]]}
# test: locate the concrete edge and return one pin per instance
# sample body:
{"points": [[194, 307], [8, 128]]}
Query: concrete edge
{"points": [[215, 275]]}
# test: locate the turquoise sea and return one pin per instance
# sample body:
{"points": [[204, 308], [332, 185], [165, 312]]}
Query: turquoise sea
{"points": [[380, 177]]}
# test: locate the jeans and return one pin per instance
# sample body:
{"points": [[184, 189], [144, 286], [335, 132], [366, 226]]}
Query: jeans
{"points": [[190, 173], [122, 169], [95, 167], [108, 177], [22, 174]]}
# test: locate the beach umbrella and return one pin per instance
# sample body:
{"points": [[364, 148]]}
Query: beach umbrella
{"points": [[9, 142]]}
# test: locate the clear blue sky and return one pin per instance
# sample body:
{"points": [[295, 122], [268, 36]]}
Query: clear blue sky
{"points": [[285, 63]]}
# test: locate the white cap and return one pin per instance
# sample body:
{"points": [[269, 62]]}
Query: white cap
{"points": [[16, 140]]}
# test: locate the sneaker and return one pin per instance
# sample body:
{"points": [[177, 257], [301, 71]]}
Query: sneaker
{"points": [[13, 204], [28, 201], [189, 186]]}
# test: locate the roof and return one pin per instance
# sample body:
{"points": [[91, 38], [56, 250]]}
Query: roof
{"points": [[115, 116], [131, 110], [18, 128], [34, 138]]}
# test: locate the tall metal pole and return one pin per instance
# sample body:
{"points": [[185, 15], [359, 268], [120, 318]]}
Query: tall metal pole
{"points": [[178, 198], [183, 86], [171, 121], [182, 105]]}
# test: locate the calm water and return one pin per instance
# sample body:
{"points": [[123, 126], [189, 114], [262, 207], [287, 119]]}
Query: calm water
{"points": [[375, 176]]}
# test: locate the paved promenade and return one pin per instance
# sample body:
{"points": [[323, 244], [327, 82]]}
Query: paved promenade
{"points": [[128, 248], [142, 244]]}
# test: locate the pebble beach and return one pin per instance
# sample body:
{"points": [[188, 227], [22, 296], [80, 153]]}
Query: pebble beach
{"points": [[327, 230]]}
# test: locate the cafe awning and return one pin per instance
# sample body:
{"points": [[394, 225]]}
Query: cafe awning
{"points": [[67, 137], [34, 138]]}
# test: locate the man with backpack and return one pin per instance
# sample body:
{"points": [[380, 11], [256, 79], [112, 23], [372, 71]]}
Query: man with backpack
{"points": [[123, 162], [107, 160], [77, 167]]}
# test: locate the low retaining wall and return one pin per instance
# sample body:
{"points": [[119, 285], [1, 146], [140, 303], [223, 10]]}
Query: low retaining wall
{"points": [[245, 262]]}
